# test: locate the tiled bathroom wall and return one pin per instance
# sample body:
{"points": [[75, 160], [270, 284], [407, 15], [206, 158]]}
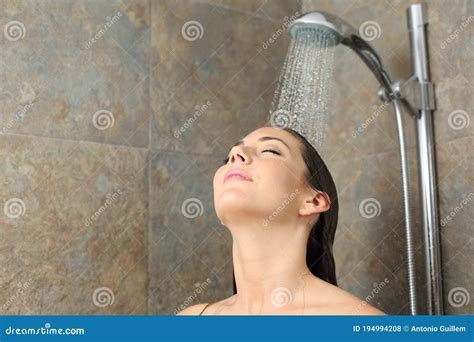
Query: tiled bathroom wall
{"points": [[362, 138], [114, 115], [74, 145]]}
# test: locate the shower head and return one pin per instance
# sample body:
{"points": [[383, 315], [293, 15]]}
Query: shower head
{"points": [[342, 32], [324, 23]]}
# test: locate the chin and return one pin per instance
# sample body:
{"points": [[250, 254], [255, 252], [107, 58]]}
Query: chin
{"points": [[232, 203], [232, 193]]}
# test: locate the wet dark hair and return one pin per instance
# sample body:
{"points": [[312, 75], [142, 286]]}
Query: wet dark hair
{"points": [[319, 251]]}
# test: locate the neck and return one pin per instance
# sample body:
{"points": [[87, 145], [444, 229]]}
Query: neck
{"points": [[269, 265]]}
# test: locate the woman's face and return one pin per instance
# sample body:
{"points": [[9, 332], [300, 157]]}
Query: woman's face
{"points": [[273, 166]]}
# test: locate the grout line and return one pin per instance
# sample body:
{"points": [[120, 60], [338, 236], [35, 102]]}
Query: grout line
{"points": [[72, 140], [149, 166]]}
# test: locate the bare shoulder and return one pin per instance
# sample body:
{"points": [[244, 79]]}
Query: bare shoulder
{"points": [[192, 310], [332, 300], [212, 308], [349, 304]]}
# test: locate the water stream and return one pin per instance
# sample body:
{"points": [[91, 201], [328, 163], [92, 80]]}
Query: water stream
{"points": [[302, 98]]}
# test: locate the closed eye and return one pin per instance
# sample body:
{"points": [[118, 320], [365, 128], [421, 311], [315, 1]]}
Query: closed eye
{"points": [[272, 151]]}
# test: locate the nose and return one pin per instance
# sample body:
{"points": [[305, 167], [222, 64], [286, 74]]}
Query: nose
{"points": [[238, 155]]}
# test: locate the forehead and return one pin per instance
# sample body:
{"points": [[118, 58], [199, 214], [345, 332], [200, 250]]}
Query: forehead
{"points": [[287, 137]]}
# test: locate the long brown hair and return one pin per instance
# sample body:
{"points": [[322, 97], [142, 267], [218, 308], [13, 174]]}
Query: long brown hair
{"points": [[319, 250]]}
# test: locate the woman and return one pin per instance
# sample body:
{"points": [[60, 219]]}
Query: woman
{"points": [[276, 196]]}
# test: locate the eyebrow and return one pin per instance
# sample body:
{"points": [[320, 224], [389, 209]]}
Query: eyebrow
{"points": [[265, 139]]}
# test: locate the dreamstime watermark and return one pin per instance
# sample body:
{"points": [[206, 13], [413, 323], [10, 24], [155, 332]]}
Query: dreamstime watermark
{"points": [[103, 119], [281, 30], [458, 119], [457, 209], [199, 110], [17, 117], [369, 120], [192, 207], [454, 35], [370, 30], [21, 287], [377, 287], [200, 287], [46, 330], [102, 297], [458, 296], [281, 207], [281, 118], [99, 34], [281, 296], [14, 208], [110, 199], [14, 30], [370, 207], [192, 30]]}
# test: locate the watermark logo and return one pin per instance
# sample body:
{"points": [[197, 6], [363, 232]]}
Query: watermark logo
{"points": [[192, 30], [102, 297], [14, 208], [370, 30], [192, 208], [458, 296], [370, 207], [280, 118], [281, 296], [103, 119], [458, 119], [14, 30]]}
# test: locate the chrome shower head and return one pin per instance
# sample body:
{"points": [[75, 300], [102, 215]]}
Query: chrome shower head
{"points": [[342, 32], [324, 23]]}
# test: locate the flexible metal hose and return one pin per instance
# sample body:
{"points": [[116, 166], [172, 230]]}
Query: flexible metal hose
{"points": [[407, 208]]}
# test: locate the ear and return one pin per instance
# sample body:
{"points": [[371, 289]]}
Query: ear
{"points": [[316, 202]]}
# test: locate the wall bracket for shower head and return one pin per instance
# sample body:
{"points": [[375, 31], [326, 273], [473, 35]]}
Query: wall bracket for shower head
{"points": [[420, 95]]}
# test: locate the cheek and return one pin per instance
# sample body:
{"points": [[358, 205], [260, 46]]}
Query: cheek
{"points": [[217, 176], [276, 181], [278, 189], [278, 174]]}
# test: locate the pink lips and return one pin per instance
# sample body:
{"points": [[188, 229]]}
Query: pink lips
{"points": [[237, 174]]}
